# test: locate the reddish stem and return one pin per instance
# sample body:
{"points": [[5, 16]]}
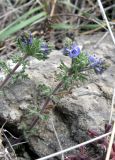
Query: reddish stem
{"points": [[45, 105], [47, 101]]}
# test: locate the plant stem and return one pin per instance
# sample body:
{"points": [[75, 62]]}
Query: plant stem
{"points": [[12, 72], [45, 105], [36, 119], [48, 100]]}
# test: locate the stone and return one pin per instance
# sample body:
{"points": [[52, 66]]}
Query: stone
{"points": [[44, 71], [87, 106], [47, 142], [16, 98], [84, 109]]}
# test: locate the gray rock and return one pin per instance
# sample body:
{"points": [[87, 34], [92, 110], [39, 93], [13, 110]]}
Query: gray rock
{"points": [[84, 109], [16, 98], [87, 106], [47, 142], [44, 71]]}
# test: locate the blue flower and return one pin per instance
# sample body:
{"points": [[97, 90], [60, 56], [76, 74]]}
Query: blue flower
{"points": [[27, 39], [44, 48], [96, 63], [66, 51], [73, 52]]}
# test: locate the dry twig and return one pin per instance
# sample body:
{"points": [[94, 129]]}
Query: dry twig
{"points": [[57, 137], [110, 143], [53, 8]]}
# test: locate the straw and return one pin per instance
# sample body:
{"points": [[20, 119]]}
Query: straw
{"points": [[105, 17], [112, 106], [110, 143], [74, 147]]}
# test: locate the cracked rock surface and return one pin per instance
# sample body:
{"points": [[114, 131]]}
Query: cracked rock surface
{"points": [[87, 106]]}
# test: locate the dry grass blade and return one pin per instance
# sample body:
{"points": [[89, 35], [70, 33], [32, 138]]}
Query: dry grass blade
{"points": [[101, 39], [105, 17], [74, 147], [57, 137], [110, 143], [112, 106], [53, 7], [4, 154], [16, 9], [10, 146]]}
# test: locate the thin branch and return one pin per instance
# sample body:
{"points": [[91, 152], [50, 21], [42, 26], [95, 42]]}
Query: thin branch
{"points": [[3, 126], [110, 143], [10, 134], [14, 10], [105, 17], [76, 2], [12, 72], [80, 12], [39, 2], [53, 7], [5, 154], [17, 144], [112, 106], [9, 144], [101, 39], [57, 137], [45, 105], [107, 8]]}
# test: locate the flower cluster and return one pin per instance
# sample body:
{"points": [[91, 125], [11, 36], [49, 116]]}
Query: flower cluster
{"points": [[74, 51], [96, 63], [33, 46], [44, 48], [26, 38]]}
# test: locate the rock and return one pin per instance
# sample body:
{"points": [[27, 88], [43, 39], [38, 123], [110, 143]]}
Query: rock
{"points": [[11, 65], [47, 142], [2, 76], [16, 98], [86, 107], [106, 90], [44, 71]]}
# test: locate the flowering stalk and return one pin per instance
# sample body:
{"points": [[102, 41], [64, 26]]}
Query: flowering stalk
{"points": [[30, 47], [79, 63], [59, 85], [24, 42], [37, 118]]}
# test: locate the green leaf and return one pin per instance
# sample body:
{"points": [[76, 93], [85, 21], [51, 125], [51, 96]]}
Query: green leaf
{"points": [[22, 22], [21, 18], [68, 4], [4, 67], [63, 26], [89, 26]]}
